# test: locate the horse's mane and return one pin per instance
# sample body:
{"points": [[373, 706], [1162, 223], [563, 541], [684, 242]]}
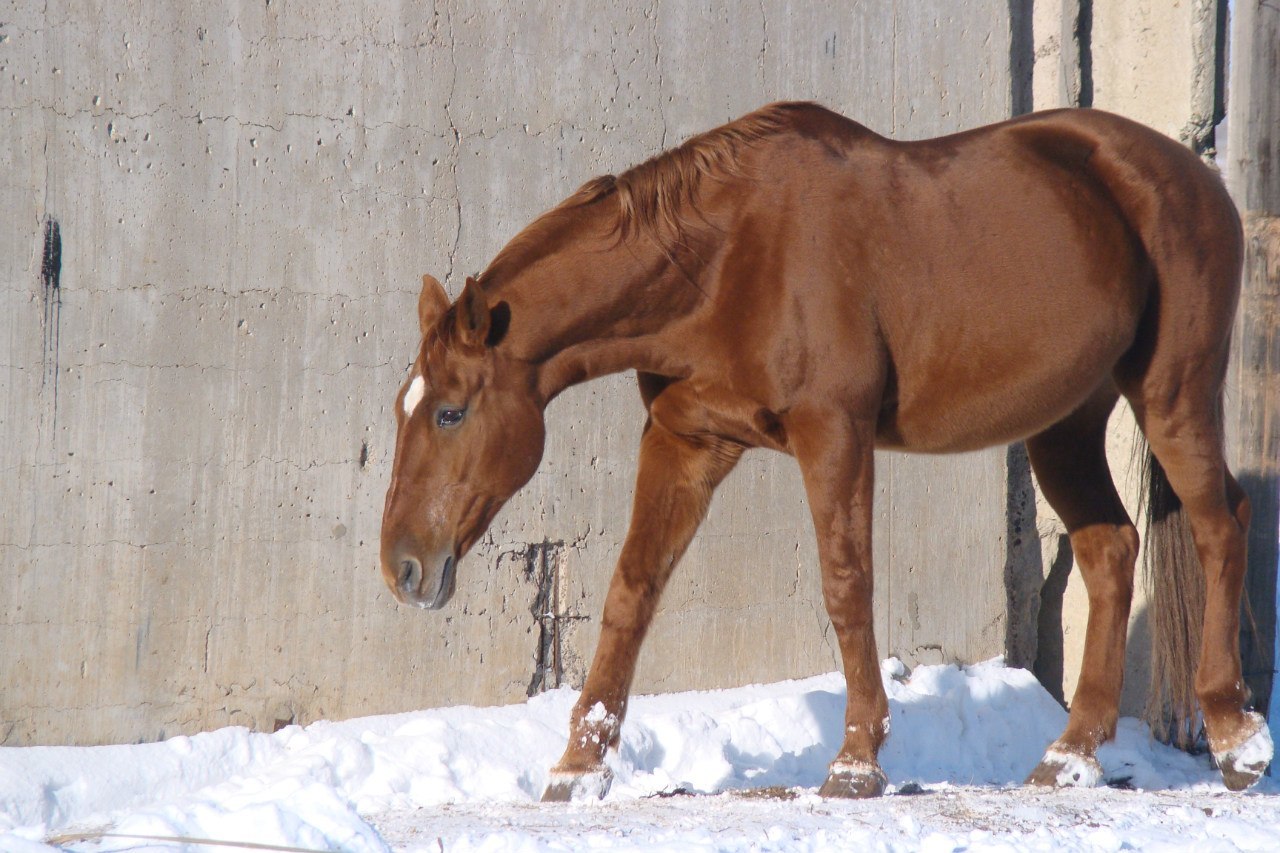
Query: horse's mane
{"points": [[658, 196]]}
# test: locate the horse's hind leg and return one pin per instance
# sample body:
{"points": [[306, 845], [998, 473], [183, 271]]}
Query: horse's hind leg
{"points": [[1184, 430], [674, 484], [1070, 463]]}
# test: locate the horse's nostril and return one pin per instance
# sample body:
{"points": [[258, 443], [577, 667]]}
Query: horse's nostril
{"points": [[410, 574]]}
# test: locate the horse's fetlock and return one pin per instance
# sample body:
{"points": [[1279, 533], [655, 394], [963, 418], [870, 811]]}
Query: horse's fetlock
{"points": [[1221, 701]]}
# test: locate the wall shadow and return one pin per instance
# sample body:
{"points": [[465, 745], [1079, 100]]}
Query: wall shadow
{"points": [[1048, 666], [1258, 634]]}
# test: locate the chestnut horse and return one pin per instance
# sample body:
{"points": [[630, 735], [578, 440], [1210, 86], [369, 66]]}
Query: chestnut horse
{"points": [[793, 281]]}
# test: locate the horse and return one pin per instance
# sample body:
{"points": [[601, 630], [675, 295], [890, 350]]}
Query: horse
{"points": [[794, 281]]}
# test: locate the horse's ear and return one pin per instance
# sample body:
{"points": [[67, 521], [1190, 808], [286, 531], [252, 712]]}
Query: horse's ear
{"points": [[479, 323], [432, 303]]}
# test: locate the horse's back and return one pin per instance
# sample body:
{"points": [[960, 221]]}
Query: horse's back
{"points": [[1012, 268]]}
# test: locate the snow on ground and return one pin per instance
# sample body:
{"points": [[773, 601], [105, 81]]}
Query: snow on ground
{"points": [[720, 770]]}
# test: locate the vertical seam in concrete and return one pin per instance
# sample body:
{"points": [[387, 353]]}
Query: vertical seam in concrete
{"points": [[1021, 56], [764, 45], [613, 67], [456, 145], [893, 72], [657, 64]]}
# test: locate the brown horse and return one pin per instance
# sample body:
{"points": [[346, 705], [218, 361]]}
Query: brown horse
{"points": [[794, 281]]}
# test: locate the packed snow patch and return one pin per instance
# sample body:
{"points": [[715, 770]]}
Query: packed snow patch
{"points": [[470, 778]]}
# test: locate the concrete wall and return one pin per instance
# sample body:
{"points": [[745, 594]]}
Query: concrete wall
{"points": [[214, 223]]}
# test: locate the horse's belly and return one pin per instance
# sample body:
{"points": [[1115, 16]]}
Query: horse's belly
{"points": [[977, 400]]}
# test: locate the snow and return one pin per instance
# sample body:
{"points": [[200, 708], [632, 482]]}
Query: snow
{"points": [[720, 770]]}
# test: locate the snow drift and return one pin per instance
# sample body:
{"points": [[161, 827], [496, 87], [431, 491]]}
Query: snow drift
{"points": [[323, 787]]}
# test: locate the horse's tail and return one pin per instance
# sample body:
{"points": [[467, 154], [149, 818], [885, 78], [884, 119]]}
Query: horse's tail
{"points": [[1175, 590]]}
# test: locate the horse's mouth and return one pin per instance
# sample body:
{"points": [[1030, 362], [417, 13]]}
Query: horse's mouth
{"points": [[444, 588], [416, 589]]}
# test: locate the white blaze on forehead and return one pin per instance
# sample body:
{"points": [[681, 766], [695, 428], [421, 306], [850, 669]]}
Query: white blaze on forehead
{"points": [[412, 397]]}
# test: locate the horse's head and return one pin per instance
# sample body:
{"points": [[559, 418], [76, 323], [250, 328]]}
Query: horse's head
{"points": [[470, 434]]}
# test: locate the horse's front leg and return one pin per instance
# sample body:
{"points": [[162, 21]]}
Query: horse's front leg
{"points": [[676, 478], [836, 458]]}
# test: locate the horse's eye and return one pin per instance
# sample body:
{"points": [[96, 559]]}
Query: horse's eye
{"points": [[448, 416]]}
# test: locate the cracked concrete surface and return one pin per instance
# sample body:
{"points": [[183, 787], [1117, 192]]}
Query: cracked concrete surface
{"points": [[247, 197]]}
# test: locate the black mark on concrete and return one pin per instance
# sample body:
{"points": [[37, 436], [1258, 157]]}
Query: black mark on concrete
{"points": [[51, 300], [51, 259], [364, 454], [1021, 56], [1084, 39], [1222, 27], [1023, 569], [542, 567]]}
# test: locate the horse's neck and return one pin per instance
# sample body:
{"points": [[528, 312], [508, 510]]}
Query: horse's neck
{"points": [[602, 308]]}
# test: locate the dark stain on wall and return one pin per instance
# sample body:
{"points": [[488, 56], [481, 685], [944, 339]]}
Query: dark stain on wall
{"points": [[1021, 56], [51, 301], [1023, 566], [1084, 38]]}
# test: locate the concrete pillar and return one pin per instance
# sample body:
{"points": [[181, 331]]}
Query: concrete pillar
{"points": [[1253, 400]]}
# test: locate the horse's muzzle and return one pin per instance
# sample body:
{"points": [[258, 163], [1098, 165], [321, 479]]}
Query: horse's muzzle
{"points": [[429, 589]]}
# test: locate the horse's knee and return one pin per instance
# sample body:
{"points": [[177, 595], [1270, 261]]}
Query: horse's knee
{"points": [[1107, 555], [849, 609]]}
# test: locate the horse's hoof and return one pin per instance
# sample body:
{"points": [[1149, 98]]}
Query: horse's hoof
{"points": [[1244, 763], [854, 781], [1061, 769], [564, 786]]}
